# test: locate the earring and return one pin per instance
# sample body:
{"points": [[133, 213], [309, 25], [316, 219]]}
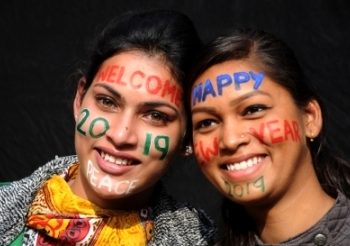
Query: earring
{"points": [[311, 136], [188, 150]]}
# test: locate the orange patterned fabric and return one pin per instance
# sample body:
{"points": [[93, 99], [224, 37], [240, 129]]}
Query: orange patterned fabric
{"points": [[61, 217]]}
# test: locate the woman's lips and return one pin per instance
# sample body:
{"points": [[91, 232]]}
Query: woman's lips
{"points": [[115, 164], [117, 159], [242, 165], [243, 168]]}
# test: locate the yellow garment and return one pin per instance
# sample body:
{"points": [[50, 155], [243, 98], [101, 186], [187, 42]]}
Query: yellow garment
{"points": [[62, 217]]}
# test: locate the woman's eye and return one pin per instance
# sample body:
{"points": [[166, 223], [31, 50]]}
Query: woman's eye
{"points": [[253, 109], [204, 124], [106, 102], [157, 117]]}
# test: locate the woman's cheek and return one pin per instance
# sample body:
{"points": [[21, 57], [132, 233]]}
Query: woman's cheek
{"points": [[91, 125], [206, 149], [276, 131], [157, 145]]}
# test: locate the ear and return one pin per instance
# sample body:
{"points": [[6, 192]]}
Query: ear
{"points": [[79, 95], [313, 120]]}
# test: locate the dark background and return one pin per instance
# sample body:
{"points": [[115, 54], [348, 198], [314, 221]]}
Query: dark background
{"points": [[43, 42]]}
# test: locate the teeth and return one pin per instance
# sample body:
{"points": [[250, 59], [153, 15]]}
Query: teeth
{"points": [[115, 160], [244, 164], [111, 158]]}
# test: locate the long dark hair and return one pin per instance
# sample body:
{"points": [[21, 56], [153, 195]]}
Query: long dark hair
{"points": [[279, 63]]}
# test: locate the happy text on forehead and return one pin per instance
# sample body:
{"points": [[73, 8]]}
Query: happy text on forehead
{"points": [[138, 79], [201, 91]]}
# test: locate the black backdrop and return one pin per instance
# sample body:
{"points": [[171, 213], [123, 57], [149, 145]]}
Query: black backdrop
{"points": [[42, 42]]}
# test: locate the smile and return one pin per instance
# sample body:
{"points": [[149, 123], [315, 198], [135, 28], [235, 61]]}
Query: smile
{"points": [[117, 160], [244, 164]]}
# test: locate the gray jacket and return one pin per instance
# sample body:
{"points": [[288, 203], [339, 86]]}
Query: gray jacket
{"points": [[332, 229], [174, 223]]}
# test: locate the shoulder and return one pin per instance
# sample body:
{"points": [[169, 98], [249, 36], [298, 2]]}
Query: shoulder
{"points": [[337, 221], [40, 175], [342, 219], [16, 197], [181, 224]]}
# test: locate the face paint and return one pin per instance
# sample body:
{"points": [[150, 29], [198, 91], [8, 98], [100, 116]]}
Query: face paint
{"points": [[103, 125], [197, 92], [258, 78], [200, 92], [173, 91], [112, 74], [208, 90], [153, 84], [241, 190], [97, 128], [240, 78], [106, 182], [91, 174], [223, 80], [277, 132], [207, 153], [161, 143]]}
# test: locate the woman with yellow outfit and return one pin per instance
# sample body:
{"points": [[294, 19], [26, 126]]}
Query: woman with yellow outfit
{"points": [[130, 121]]}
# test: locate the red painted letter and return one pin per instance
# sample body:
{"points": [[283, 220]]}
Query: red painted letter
{"points": [[272, 130], [208, 153], [132, 83]]}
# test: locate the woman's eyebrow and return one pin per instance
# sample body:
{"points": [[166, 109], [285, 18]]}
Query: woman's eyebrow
{"points": [[115, 93], [199, 109], [160, 104], [248, 95]]}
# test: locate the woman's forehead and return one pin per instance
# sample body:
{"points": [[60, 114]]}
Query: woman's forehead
{"points": [[137, 72], [226, 76]]}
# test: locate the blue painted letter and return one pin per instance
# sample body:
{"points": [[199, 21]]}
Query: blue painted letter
{"points": [[240, 77], [258, 78], [223, 80], [197, 94], [208, 89]]}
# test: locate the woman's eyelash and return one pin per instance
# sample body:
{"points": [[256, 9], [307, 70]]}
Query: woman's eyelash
{"points": [[105, 101], [204, 124], [158, 117], [256, 108]]}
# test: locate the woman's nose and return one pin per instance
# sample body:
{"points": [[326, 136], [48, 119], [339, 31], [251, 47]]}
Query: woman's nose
{"points": [[232, 136], [122, 132]]}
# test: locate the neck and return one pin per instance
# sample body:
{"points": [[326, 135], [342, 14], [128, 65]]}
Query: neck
{"points": [[294, 212]]}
